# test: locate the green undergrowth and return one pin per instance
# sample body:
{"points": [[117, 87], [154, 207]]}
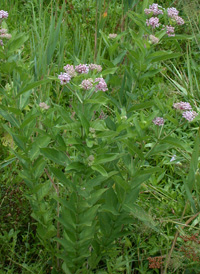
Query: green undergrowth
{"points": [[99, 180]]}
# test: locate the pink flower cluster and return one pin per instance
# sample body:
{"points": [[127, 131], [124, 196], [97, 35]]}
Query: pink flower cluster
{"points": [[43, 105], [173, 13], [189, 114], [3, 14], [159, 121], [153, 22], [154, 8], [182, 106], [88, 84], [64, 78], [112, 35], [71, 72], [96, 67], [170, 31], [82, 68], [69, 69], [101, 84]]}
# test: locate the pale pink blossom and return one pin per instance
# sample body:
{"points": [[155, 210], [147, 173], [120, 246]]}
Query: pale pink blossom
{"points": [[172, 12], [154, 8], [153, 22], [82, 68], [70, 70], [159, 121], [182, 106], [189, 115], [170, 31], [3, 14], [101, 84], [64, 78], [87, 84], [112, 35], [44, 105], [98, 68]]}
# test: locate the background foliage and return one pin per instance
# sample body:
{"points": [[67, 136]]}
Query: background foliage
{"points": [[89, 185]]}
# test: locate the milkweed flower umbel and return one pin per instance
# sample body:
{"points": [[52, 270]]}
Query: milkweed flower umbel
{"points": [[182, 106], [189, 115], [153, 39], [98, 68], [153, 22], [3, 31], [159, 121], [154, 8], [179, 20], [82, 68], [172, 12], [44, 105], [170, 31], [64, 78], [87, 84], [101, 84], [69, 69], [3, 14], [112, 35], [6, 35]]}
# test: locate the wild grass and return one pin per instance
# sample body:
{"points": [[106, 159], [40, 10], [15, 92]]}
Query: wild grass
{"points": [[131, 202]]}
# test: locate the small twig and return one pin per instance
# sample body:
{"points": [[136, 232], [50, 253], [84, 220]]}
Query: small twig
{"points": [[176, 236], [173, 243], [52, 181]]}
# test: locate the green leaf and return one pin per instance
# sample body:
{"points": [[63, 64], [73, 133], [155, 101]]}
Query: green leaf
{"points": [[16, 42], [32, 86], [40, 142], [142, 105], [61, 177], [100, 169], [109, 71], [70, 126], [161, 56], [55, 156], [10, 118], [105, 158], [7, 162]]}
